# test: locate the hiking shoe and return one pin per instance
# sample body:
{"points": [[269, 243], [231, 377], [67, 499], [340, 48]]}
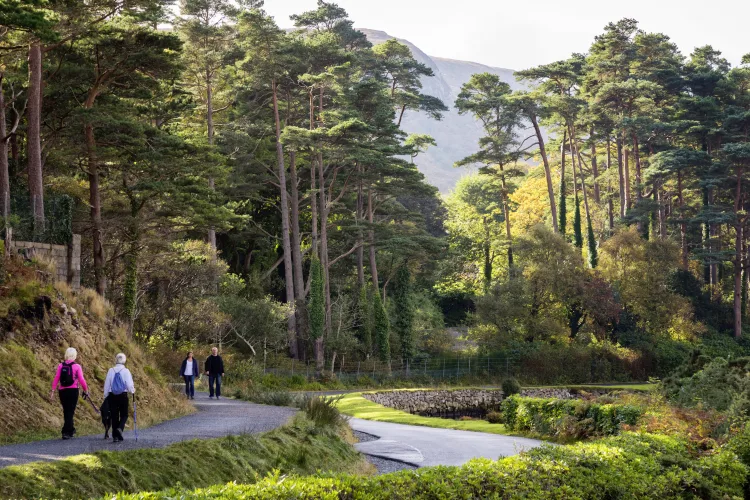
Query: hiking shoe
{"points": [[210, 397], [66, 436]]}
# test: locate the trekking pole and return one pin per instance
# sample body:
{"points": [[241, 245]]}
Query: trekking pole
{"points": [[88, 398], [135, 420]]}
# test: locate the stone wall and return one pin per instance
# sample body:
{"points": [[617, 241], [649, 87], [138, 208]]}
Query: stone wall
{"points": [[451, 401], [66, 258]]}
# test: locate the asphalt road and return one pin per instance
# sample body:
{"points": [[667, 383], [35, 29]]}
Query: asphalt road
{"points": [[427, 446], [214, 418]]}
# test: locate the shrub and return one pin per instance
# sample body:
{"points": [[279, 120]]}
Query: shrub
{"points": [[273, 398], [495, 417], [511, 387], [567, 418], [323, 411], [632, 465]]}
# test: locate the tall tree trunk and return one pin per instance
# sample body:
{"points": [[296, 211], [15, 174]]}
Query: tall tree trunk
{"points": [[683, 222], [487, 249], [34, 137], [324, 258], [595, 169], [506, 213], [626, 172], [621, 172], [299, 282], [610, 201], [547, 173], [210, 124], [713, 244], [360, 234], [4, 172], [95, 197], [659, 194], [563, 203], [286, 244], [738, 205], [371, 243]]}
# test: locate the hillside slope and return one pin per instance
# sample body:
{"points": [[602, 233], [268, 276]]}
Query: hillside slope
{"points": [[38, 321], [457, 136]]}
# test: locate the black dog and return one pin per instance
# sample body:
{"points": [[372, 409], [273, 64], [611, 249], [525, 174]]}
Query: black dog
{"points": [[106, 417]]}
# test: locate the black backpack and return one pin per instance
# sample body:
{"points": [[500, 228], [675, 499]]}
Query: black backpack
{"points": [[66, 375]]}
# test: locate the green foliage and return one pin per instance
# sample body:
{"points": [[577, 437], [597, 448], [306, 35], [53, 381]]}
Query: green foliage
{"points": [[573, 418], [322, 410], [316, 305], [403, 306], [495, 417], [510, 387], [577, 233], [593, 249], [628, 466], [381, 328], [300, 447]]}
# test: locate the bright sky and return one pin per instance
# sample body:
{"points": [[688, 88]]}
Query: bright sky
{"points": [[525, 33]]}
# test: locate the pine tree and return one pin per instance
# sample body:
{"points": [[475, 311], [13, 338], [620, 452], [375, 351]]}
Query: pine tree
{"points": [[364, 320], [593, 250], [577, 230], [381, 328], [316, 304], [563, 207], [404, 312]]}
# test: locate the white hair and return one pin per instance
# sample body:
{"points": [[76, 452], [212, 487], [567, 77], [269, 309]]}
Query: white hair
{"points": [[120, 359], [70, 354]]}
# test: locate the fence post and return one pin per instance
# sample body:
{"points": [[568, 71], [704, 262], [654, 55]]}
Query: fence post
{"points": [[292, 367], [358, 362], [469, 366], [488, 366], [373, 368], [458, 365], [408, 373], [425, 366], [443, 368], [308, 369], [507, 367]]}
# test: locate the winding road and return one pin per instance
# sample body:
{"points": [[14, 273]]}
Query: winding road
{"points": [[413, 445]]}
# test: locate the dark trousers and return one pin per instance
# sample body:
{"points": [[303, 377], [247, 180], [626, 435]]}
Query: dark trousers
{"points": [[211, 380], [118, 407], [69, 401], [189, 385]]}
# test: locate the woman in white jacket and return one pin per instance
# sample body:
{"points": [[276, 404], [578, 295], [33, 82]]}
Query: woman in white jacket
{"points": [[117, 386]]}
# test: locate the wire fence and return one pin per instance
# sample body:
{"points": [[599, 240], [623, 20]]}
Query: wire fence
{"points": [[443, 368]]}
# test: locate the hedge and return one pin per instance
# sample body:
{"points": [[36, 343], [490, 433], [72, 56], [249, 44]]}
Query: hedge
{"points": [[631, 465], [567, 418]]}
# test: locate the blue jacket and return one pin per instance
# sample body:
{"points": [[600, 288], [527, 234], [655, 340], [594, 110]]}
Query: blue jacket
{"points": [[196, 372]]}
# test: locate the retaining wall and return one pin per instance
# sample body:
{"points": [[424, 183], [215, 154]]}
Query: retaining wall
{"points": [[66, 258]]}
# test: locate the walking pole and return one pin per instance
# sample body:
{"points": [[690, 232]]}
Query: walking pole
{"points": [[135, 420]]}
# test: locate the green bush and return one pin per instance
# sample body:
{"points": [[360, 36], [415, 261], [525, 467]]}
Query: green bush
{"points": [[567, 418], [511, 387], [495, 417], [323, 411], [632, 465]]}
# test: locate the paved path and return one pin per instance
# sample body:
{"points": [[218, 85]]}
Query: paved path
{"points": [[426, 446], [214, 418]]}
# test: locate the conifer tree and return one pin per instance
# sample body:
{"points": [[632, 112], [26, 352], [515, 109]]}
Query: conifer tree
{"points": [[381, 329], [577, 229], [403, 305]]}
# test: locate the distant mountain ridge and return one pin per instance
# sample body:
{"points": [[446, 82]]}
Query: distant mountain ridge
{"points": [[457, 136]]}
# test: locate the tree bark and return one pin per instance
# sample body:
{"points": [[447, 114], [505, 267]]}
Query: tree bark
{"points": [[34, 137], [371, 241], [4, 172], [547, 173], [683, 223], [299, 282], [324, 257], [360, 235], [610, 202], [506, 213], [595, 169], [738, 256], [286, 244], [210, 126], [621, 172]]}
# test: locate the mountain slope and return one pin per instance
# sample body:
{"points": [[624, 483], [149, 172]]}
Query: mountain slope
{"points": [[457, 136]]}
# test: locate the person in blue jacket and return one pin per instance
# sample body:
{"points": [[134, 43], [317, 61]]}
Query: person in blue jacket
{"points": [[189, 371]]}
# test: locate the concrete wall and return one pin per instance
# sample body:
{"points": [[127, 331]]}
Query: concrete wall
{"points": [[67, 258]]}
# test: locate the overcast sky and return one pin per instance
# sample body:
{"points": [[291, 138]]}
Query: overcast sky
{"points": [[519, 34]]}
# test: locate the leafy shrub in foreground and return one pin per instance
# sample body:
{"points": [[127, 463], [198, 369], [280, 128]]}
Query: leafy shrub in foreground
{"points": [[567, 418], [642, 466]]}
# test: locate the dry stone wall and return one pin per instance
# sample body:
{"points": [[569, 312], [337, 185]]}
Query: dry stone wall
{"points": [[66, 258], [452, 401]]}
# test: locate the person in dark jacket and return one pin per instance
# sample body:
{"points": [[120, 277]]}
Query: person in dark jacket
{"points": [[188, 372], [215, 370]]}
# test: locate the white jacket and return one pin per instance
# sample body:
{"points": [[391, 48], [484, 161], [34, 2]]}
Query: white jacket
{"points": [[126, 377]]}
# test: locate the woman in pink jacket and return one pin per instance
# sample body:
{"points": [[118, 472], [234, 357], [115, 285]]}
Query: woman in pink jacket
{"points": [[68, 379]]}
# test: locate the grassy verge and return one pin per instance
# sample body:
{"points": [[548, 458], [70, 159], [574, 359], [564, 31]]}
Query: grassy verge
{"points": [[301, 447], [629, 466], [357, 406]]}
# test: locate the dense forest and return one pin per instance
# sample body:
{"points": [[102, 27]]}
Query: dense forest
{"points": [[243, 184]]}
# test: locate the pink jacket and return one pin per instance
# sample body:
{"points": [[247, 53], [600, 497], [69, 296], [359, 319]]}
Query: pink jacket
{"points": [[78, 380]]}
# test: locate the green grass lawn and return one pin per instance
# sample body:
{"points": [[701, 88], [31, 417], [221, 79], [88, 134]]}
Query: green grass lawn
{"points": [[355, 405]]}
